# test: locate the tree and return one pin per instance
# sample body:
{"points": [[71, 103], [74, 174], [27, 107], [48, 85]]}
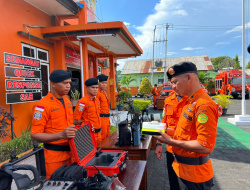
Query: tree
{"points": [[222, 62], [126, 80], [145, 87], [237, 62], [210, 86], [203, 76], [248, 65]]}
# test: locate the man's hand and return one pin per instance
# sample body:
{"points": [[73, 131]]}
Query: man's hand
{"points": [[69, 132], [158, 152], [163, 138]]}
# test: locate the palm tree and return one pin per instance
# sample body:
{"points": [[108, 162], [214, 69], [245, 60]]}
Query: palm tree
{"points": [[203, 76], [126, 80]]}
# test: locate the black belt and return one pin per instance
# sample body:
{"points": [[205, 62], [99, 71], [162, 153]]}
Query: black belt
{"points": [[104, 115], [56, 147], [191, 161], [97, 130]]}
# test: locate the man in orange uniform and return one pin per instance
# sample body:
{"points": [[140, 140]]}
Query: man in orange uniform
{"points": [[52, 122], [172, 110], [104, 105], [196, 131], [88, 109], [155, 94]]}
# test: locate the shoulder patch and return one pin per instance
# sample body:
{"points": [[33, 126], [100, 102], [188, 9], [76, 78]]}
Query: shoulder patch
{"points": [[37, 115], [202, 118]]}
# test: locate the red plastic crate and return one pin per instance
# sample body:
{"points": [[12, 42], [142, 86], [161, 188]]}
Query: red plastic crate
{"points": [[83, 148]]}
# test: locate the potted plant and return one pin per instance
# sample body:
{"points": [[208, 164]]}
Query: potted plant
{"points": [[224, 101], [120, 102], [75, 96]]}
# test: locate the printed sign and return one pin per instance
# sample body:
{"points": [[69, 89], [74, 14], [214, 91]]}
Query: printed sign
{"points": [[20, 60], [21, 73], [22, 85], [158, 68], [72, 57], [12, 98]]}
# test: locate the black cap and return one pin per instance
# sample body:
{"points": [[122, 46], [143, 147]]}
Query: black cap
{"points": [[155, 84], [91, 81], [102, 77], [59, 75], [181, 68]]}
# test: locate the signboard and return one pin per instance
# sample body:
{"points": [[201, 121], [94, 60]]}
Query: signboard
{"points": [[21, 73], [72, 57], [158, 68], [22, 97], [22, 85], [20, 60], [91, 11]]}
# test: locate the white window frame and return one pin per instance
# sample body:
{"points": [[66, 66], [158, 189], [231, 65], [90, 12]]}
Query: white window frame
{"points": [[42, 62], [99, 70]]}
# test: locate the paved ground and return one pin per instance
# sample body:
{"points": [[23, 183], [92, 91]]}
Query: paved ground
{"points": [[230, 158]]}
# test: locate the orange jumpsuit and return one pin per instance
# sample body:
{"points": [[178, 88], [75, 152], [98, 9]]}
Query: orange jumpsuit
{"points": [[88, 109], [154, 92], [50, 116], [172, 111], [198, 121], [104, 112]]}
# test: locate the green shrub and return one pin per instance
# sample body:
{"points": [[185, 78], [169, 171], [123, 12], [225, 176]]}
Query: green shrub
{"points": [[223, 100], [145, 87], [112, 129], [141, 104], [125, 96]]}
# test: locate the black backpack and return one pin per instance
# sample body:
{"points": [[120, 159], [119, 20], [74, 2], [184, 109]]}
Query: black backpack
{"points": [[124, 134]]}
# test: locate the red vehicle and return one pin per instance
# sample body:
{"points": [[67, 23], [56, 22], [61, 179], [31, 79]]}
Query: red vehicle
{"points": [[166, 89], [230, 83]]}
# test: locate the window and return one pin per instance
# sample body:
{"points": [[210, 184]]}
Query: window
{"points": [[99, 70], [160, 81], [43, 56]]}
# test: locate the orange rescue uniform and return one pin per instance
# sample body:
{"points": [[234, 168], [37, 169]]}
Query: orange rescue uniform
{"points": [[198, 121], [172, 111], [155, 93], [104, 112], [88, 109], [50, 116]]}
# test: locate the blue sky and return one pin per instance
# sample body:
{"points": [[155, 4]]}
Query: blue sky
{"points": [[189, 22]]}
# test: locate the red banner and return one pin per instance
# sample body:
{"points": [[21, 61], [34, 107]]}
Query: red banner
{"points": [[72, 57]]}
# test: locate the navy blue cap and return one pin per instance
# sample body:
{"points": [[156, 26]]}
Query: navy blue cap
{"points": [[91, 81], [181, 68], [59, 75], [102, 77]]}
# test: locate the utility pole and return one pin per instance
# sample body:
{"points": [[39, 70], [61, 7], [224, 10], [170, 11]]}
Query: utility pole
{"points": [[152, 64], [165, 67]]}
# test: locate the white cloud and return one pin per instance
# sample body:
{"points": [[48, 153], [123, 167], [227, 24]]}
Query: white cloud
{"points": [[222, 43], [121, 63], [163, 10], [237, 36], [180, 12], [238, 28], [127, 24], [191, 48], [171, 53]]}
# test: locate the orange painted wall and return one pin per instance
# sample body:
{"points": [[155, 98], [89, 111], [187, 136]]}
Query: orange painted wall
{"points": [[13, 15]]}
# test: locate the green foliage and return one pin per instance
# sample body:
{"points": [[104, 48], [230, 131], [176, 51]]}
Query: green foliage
{"points": [[210, 86], [75, 95], [5, 121], [145, 87], [123, 96], [203, 76], [223, 100], [248, 65], [126, 80], [20, 145], [237, 62], [141, 104], [112, 129], [221, 62]]}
